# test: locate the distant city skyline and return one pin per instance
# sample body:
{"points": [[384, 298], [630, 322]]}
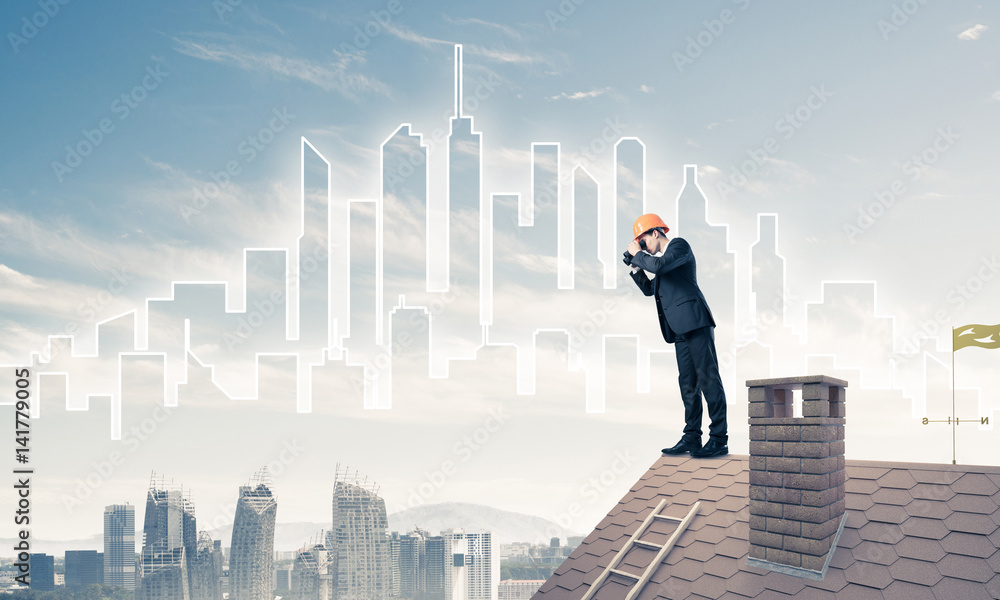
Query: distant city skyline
{"points": [[119, 541], [360, 560]]}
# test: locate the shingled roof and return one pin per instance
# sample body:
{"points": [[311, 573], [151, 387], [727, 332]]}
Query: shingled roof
{"points": [[912, 531]]}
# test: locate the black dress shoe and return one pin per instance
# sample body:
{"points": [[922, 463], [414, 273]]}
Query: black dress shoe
{"points": [[683, 446], [712, 448]]}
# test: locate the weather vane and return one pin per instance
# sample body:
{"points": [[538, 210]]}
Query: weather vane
{"points": [[980, 336]]}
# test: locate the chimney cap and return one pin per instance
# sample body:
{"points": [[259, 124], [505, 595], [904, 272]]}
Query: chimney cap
{"points": [[796, 381]]}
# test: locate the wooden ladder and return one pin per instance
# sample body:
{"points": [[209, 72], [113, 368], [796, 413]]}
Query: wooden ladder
{"points": [[642, 580]]}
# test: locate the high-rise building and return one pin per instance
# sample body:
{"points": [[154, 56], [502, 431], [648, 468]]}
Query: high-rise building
{"points": [[84, 568], [430, 567], [358, 540], [251, 556], [205, 569], [119, 546], [456, 580], [42, 572], [437, 559], [312, 574], [481, 562], [283, 580], [167, 535], [412, 563], [394, 564]]}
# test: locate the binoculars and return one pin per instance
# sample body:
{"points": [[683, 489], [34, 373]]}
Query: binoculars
{"points": [[627, 256]]}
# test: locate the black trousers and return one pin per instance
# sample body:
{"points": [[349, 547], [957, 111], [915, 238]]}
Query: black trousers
{"points": [[698, 375]]}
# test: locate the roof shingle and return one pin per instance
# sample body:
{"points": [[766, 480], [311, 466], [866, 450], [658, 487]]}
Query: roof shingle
{"points": [[913, 531]]}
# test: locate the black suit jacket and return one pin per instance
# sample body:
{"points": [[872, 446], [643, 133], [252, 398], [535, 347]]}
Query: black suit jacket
{"points": [[679, 302]]}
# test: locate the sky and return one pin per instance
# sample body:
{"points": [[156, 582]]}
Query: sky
{"points": [[148, 145]]}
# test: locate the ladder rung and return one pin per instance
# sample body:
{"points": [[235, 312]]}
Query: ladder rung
{"points": [[649, 545], [648, 574], [625, 574], [668, 518], [621, 553]]}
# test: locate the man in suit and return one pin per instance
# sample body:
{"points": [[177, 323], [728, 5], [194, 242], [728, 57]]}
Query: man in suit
{"points": [[685, 321]]}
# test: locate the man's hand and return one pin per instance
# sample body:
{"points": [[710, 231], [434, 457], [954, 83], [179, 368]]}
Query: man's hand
{"points": [[633, 248]]}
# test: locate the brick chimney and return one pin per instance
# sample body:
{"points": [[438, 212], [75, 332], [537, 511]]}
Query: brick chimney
{"points": [[796, 474]]}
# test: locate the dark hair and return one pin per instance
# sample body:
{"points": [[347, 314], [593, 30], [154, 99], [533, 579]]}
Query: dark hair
{"points": [[660, 229]]}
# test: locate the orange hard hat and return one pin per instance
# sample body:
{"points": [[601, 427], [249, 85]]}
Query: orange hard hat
{"points": [[646, 222]]}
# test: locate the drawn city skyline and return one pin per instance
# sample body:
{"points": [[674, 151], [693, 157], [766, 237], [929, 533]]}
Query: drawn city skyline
{"points": [[288, 283]]}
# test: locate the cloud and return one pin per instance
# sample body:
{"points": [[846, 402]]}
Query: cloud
{"points": [[334, 76], [237, 213], [40, 296], [712, 126], [972, 33], [502, 55], [645, 89], [261, 214], [505, 56], [352, 148], [581, 95], [408, 35], [259, 19], [508, 31], [467, 147], [996, 95], [14, 279], [778, 177]]}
